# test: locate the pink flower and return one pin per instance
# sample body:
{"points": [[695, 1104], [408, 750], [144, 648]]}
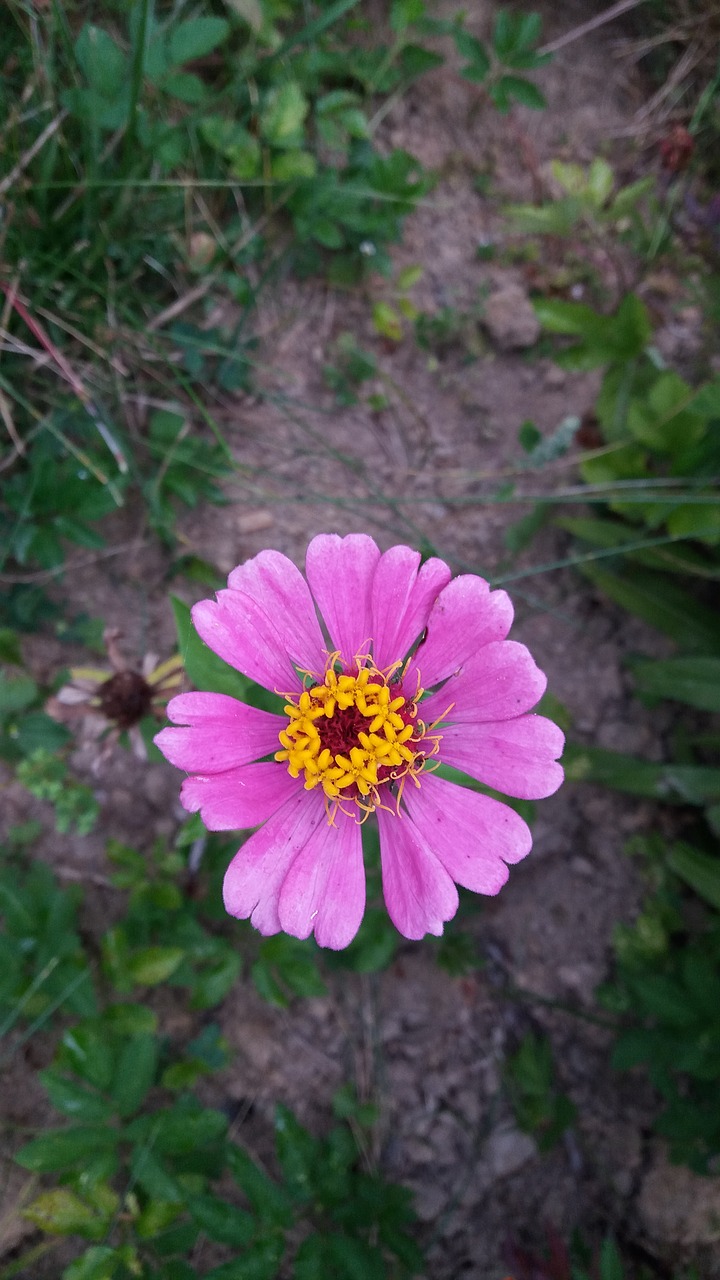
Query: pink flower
{"points": [[369, 712]]}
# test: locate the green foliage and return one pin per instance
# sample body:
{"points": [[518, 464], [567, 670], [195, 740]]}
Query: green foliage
{"points": [[148, 1177], [592, 205], [654, 487], [540, 1108], [512, 49], [46, 777], [161, 939], [43, 967]]}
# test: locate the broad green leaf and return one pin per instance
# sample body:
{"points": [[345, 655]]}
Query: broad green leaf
{"points": [[290, 166], [151, 965], [695, 681], [707, 400], [700, 870], [626, 200], [260, 1262], [600, 179], [571, 177], [339, 1256], [283, 114], [196, 37], [135, 1073], [16, 692], [70, 1097], [154, 1178], [86, 1050], [556, 219], [61, 1212], [185, 87], [522, 90], [223, 1221], [181, 1129], [63, 1148], [476, 53], [103, 64], [97, 1263], [269, 1201], [10, 647]]}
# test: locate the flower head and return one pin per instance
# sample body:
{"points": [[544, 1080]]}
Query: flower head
{"points": [[117, 698], [412, 671]]}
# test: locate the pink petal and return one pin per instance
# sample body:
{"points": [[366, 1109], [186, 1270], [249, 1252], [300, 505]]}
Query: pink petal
{"points": [[240, 632], [401, 600], [419, 893], [221, 733], [465, 616], [340, 572], [239, 798], [324, 890], [472, 835], [514, 756], [279, 588], [255, 876], [498, 683]]}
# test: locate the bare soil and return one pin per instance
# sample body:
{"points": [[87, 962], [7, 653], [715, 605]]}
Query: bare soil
{"points": [[427, 1047]]}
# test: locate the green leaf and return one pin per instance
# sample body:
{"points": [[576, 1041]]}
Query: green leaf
{"points": [[522, 90], [135, 1073], [477, 55], [283, 114], [151, 965], [97, 1263], [10, 647], [600, 180], [270, 1202], [196, 37], [222, 1221], [700, 870], [671, 783], [342, 1257], [61, 1212], [204, 668], [656, 599], [294, 165], [73, 1099], [695, 681], [153, 1178], [16, 693], [87, 1050], [102, 63], [260, 1262], [63, 1148], [186, 87]]}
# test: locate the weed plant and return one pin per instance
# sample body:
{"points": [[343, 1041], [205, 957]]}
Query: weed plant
{"points": [[156, 156]]}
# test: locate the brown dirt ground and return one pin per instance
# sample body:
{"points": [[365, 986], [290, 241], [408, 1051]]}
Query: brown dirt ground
{"points": [[427, 1047]]}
